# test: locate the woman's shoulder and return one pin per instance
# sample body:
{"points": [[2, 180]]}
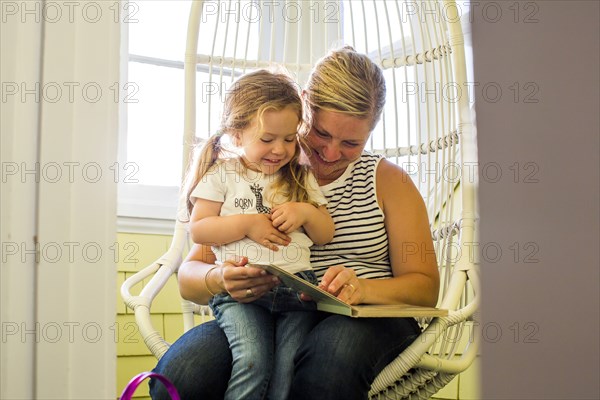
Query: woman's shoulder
{"points": [[398, 184], [387, 169]]}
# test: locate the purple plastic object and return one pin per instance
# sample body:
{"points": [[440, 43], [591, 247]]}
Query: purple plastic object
{"points": [[136, 380]]}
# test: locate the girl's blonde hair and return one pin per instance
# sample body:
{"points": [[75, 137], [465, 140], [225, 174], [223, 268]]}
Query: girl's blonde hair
{"points": [[347, 82], [251, 96]]}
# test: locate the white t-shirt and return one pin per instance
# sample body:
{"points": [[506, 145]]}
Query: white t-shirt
{"points": [[243, 191]]}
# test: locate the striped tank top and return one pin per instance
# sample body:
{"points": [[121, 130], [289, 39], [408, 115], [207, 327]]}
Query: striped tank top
{"points": [[360, 241]]}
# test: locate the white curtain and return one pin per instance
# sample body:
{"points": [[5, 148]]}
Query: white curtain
{"points": [[60, 100]]}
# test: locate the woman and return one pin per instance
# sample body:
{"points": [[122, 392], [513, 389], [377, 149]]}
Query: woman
{"points": [[377, 211]]}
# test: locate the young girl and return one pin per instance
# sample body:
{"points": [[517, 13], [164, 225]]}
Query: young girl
{"points": [[259, 202]]}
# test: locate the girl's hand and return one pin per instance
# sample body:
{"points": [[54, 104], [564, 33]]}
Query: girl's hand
{"points": [[343, 283], [290, 216], [262, 231], [245, 284]]}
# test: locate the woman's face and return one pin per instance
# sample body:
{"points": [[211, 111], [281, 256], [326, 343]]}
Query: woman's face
{"points": [[335, 140]]}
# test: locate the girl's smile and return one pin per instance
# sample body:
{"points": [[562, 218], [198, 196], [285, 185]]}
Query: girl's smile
{"points": [[270, 145]]}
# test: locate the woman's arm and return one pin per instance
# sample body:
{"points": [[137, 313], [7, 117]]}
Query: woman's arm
{"points": [[199, 271], [412, 256], [317, 222]]}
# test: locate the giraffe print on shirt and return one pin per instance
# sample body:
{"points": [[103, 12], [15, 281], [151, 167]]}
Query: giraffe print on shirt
{"points": [[257, 190]]}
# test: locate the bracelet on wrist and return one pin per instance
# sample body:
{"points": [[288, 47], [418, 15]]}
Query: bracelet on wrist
{"points": [[206, 280]]}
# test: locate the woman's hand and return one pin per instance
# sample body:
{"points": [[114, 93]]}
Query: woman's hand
{"points": [[343, 283], [244, 283], [262, 231]]}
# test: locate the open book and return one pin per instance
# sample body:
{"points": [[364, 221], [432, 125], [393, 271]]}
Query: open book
{"points": [[329, 303]]}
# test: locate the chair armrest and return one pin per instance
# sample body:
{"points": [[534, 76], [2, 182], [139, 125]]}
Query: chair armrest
{"points": [[141, 304], [159, 273]]}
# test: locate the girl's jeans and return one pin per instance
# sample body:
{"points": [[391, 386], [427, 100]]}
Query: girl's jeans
{"points": [[263, 338]]}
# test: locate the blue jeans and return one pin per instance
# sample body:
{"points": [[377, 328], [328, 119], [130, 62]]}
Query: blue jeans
{"points": [[263, 338], [341, 356], [339, 359]]}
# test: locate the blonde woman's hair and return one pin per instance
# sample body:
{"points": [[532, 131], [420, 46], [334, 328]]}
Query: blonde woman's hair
{"points": [[347, 82], [250, 97]]}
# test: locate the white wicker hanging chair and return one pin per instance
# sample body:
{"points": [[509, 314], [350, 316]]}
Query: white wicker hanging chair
{"points": [[426, 128]]}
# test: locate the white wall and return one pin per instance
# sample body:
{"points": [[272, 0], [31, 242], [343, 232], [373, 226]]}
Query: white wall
{"points": [[59, 116], [540, 307], [21, 47]]}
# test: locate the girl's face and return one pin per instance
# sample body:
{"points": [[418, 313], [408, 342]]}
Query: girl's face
{"points": [[335, 140], [270, 146]]}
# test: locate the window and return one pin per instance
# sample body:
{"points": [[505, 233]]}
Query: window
{"points": [[150, 146]]}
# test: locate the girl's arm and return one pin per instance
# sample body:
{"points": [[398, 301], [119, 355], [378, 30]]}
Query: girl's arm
{"points": [[319, 226], [208, 227], [414, 266], [317, 222]]}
